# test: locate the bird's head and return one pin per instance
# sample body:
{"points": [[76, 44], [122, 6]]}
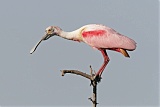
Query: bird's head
{"points": [[49, 32]]}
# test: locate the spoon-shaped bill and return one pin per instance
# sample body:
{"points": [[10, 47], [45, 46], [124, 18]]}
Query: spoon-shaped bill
{"points": [[45, 37], [35, 47]]}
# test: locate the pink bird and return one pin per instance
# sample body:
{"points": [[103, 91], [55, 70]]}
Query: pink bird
{"points": [[97, 36]]}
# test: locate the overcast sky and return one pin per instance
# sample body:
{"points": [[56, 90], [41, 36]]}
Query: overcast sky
{"points": [[35, 79]]}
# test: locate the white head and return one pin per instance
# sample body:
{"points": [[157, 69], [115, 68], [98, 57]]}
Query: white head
{"points": [[51, 31]]}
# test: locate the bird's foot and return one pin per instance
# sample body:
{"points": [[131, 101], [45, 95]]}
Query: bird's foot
{"points": [[97, 78]]}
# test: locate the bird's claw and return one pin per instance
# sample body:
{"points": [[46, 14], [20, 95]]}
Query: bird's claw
{"points": [[97, 78], [94, 76]]}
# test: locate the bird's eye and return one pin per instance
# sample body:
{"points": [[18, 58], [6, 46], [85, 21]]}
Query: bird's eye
{"points": [[49, 29]]}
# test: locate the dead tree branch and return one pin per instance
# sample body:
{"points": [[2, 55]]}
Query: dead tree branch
{"points": [[77, 73], [91, 77]]}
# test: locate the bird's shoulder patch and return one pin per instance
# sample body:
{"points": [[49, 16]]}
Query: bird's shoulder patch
{"points": [[89, 33]]}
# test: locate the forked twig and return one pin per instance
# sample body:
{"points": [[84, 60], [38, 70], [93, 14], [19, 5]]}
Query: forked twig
{"points": [[91, 77]]}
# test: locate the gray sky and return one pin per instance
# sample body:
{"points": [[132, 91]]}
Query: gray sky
{"points": [[35, 79]]}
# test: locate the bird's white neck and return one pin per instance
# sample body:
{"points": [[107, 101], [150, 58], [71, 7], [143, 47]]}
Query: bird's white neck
{"points": [[74, 35]]}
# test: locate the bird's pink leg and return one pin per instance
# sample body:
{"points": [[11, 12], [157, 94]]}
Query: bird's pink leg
{"points": [[106, 60]]}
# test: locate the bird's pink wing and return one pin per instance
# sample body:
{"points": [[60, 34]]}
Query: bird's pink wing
{"points": [[107, 38]]}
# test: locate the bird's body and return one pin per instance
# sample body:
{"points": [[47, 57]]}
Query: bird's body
{"points": [[97, 36]]}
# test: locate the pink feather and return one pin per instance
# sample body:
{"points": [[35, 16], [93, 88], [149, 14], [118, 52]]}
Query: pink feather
{"points": [[100, 36]]}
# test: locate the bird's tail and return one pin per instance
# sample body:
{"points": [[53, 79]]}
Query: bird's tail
{"points": [[124, 52]]}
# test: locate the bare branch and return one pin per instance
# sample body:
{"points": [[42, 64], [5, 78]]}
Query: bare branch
{"points": [[92, 101], [77, 73], [91, 77]]}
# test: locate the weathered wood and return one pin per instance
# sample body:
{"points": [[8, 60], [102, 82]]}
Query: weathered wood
{"points": [[91, 77], [77, 73]]}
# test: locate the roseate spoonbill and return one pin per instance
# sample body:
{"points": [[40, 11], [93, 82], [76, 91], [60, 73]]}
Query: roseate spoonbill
{"points": [[97, 36]]}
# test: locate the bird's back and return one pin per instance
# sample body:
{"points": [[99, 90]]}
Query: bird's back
{"points": [[100, 36]]}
